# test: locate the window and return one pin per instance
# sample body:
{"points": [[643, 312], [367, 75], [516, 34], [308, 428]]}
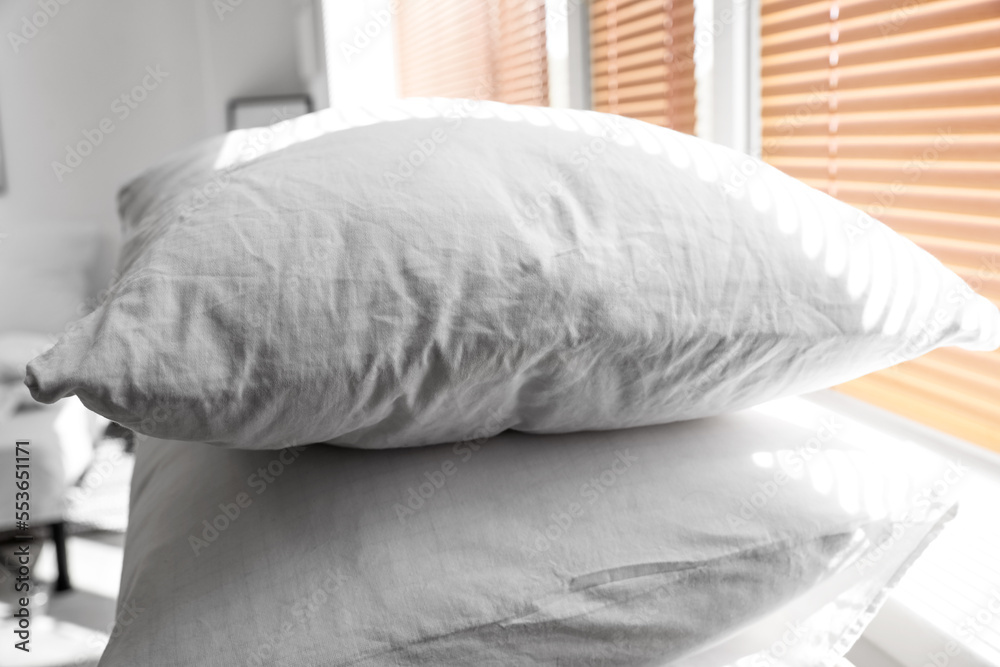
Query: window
{"points": [[476, 49], [642, 60], [894, 107]]}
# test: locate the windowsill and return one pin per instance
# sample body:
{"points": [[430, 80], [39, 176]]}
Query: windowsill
{"points": [[931, 616], [943, 444]]}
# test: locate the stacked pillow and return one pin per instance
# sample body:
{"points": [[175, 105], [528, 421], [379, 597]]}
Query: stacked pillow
{"points": [[438, 270], [695, 544]]}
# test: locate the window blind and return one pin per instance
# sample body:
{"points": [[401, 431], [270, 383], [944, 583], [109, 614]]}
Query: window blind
{"points": [[642, 60], [475, 49], [894, 107]]}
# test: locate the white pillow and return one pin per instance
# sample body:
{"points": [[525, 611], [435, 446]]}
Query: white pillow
{"points": [[463, 268], [630, 547]]}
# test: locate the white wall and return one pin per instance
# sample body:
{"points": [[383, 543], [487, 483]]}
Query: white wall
{"points": [[62, 80]]}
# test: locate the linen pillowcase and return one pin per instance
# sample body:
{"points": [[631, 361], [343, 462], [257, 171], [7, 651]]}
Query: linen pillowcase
{"points": [[639, 547], [464, 268]]}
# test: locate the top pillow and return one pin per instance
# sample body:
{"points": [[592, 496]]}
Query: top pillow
{"points": [[439, 270]]}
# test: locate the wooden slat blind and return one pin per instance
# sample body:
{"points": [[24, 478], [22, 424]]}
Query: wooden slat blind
{"points": [[642, 60], [895, 108], [476, 49]]}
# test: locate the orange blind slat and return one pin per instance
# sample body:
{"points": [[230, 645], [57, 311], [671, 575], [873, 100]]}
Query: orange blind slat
{"points": [[895, 108], [476, 49], [642, 60]]}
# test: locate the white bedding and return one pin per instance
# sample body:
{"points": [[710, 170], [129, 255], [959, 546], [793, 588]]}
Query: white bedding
{"points": [[475, 555]]}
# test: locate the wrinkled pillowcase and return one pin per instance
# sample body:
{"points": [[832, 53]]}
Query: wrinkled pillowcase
{"points": [[635, 547], [437, 270]]}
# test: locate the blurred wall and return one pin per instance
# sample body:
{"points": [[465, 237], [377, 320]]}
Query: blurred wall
{"points": [[134, 80]]}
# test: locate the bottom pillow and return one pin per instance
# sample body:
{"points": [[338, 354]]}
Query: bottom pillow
{"points": [[681, 544]]}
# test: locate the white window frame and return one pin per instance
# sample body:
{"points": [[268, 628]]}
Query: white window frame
{"points": [[578, 27], [734, 37], [730, 113]]}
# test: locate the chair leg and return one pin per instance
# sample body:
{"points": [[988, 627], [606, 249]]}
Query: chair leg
{"points": [[59, 537]]}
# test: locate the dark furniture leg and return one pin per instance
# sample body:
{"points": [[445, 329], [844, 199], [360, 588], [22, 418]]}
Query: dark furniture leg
{"points": [[59, 537]]}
